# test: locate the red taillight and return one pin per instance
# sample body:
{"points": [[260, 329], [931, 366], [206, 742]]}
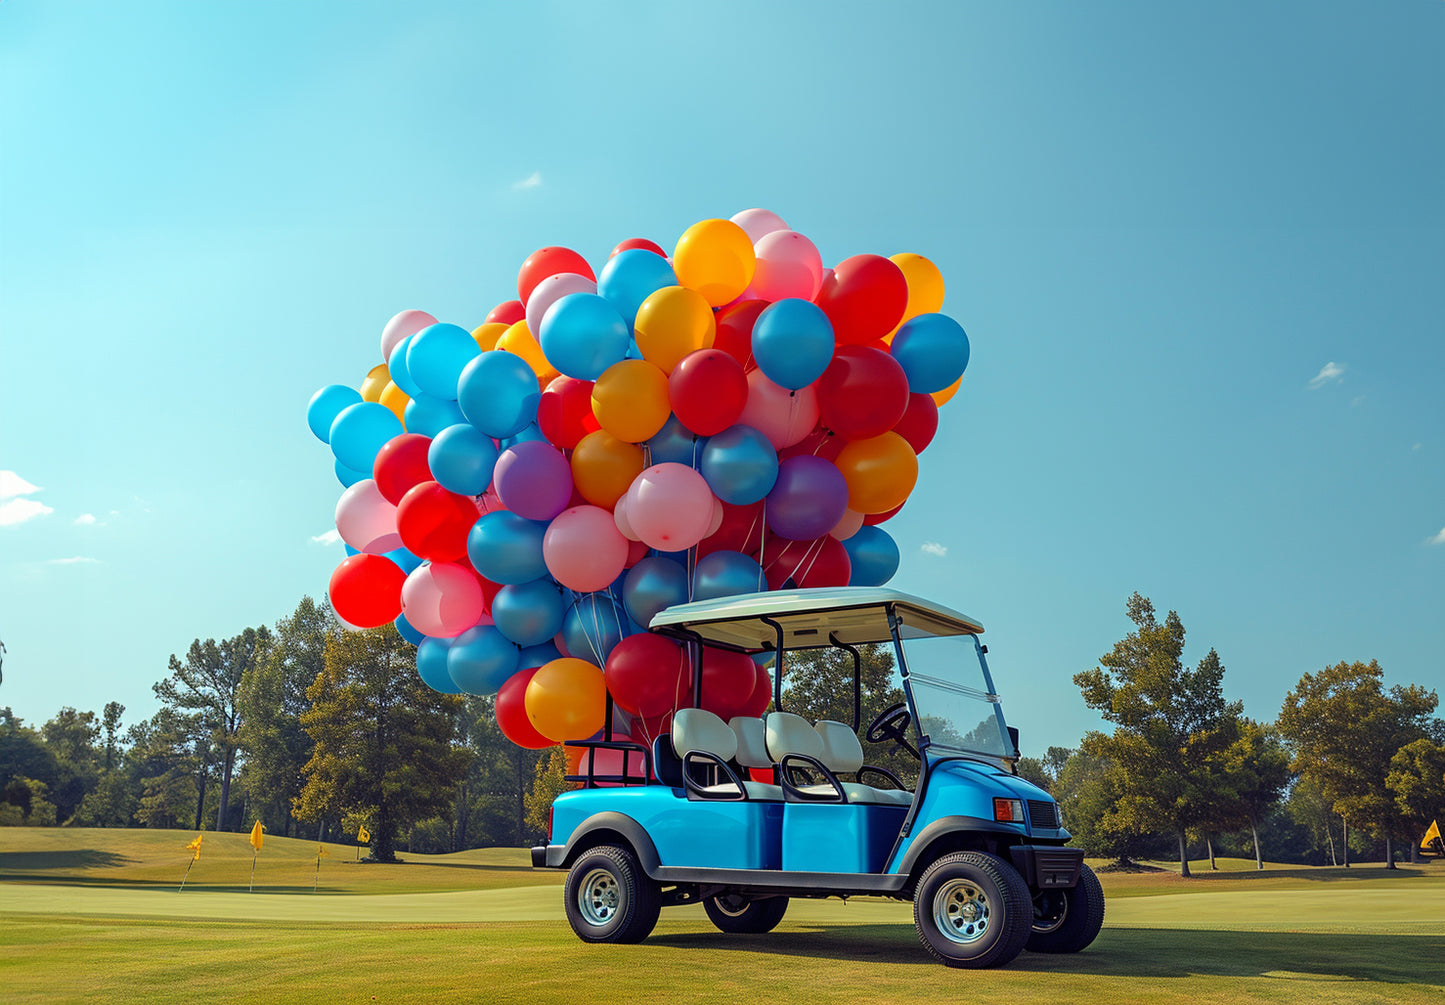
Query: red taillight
{"points": [[549, 822], [1008, 810]]}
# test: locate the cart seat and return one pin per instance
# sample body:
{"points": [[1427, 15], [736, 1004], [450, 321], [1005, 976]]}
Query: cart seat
{"points": [[698, 731], [843, 753]]}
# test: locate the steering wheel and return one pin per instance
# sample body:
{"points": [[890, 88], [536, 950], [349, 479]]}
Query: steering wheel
{"points": [[892, 725]]}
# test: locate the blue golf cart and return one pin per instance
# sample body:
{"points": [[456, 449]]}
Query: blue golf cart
{"points": [[979, 851]]}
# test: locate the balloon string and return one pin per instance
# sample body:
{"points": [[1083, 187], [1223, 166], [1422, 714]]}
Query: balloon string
{"points": [[811, 561], [762, 543]]}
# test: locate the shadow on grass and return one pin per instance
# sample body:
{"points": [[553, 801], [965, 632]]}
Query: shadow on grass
{"points": [[1157, 953], [79, 858], [1315, 875]]}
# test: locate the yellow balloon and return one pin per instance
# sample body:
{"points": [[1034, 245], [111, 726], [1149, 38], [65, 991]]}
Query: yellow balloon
{"points": [[925, 287], [395, 399], [603, 467], [671, 323], [630, 400], [518, 340], [375, 382], [714, 257], [486, 335], [942, 397], [566, 699], [880, 472]]}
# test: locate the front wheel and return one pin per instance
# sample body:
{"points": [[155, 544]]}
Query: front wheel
{"points": [[1066, 921], [609, 898], [735, 913], [972, 910]]}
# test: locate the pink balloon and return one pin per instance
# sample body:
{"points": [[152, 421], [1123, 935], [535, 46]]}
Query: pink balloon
{"points": [[621, 519], [583, 548], [848, 525], [757, 222], [717, 517], [549, 291], [366, 520], [442, 599], [400, 326], [670, 506], [784, 417], [788, 266]]}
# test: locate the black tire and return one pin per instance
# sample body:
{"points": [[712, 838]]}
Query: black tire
{"points": [[737, 914], [972, 910], [609, 898], [1066, 921]]}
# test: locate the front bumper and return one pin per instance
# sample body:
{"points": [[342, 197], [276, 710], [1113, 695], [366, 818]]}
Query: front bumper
{"points": [[539, 856], [1047, 867]]}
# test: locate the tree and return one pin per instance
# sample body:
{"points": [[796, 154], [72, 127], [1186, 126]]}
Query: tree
{"points": [[490, 806], [1088, 789], [1417, 782], [1169, 723], [23, 752], [110, 722], [71, 737], [383, 739], [1253, 773], [549, 782], [166, 765], [1044, 771]]}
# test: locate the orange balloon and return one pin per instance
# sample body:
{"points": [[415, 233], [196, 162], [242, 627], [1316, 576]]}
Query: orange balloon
{"points": [[395, 399], [630, 400], [375, 382], [880, 472], [671, 323], [942, 397], [486, 335], [574, 759], [925, 287], [715, 257], [518, 340], [603, 467], [566, 699]]}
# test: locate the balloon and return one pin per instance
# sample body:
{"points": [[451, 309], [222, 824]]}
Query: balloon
{"points": [[480, 660], [521, 341], [546, 262], [707, 390], [739, 465], [864, 298], [735, 330], [726, 574], [565, 412], [374, 383], [396, 365], [728, 679], [582, 334], [507, 548], [624, 525], [434, 523], [788, 266], [671, 323], [925, 284], [533, 480], [567, 700], [630, 400], [365, 590], [874, 519], [806, 564], [783, 416], [431, 665], [508, 313], [631, 276], [808, 499], [821, 442], [531, 433], [366, 520], [714, 257], [549, 291], [400, 326], [873, 555], [639, 243], [442, 599], [603, 468], [676, 442], [405, 560], [345, 475], [486, 335], [863, 392], [406, 631], [529, 613], [762, 695], [793, 343], [758, 223], [461, 459], [359, 431], [511, 711], [436, 357], [534, 656], [919, 422], [395, 399], [325, 405], [652, 585], [847, 525], [670, 506], [880, 472], [401, 464], [584, 550], [648, 675], [429, 416], [946, 395], [593, 626], [498, 393], [932, 349], [741, 529]]}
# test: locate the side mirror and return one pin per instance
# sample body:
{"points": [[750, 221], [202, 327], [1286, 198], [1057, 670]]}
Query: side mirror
{"points": [[1013, 735]]}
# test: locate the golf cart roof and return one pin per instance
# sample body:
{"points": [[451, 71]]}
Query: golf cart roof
{"points": [[811, 619]]}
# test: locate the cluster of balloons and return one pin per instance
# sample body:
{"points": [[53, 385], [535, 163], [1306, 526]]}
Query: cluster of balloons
{"points": [[522, 498]]}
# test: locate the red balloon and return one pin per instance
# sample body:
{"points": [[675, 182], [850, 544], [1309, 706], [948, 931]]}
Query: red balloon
{"points": [[741, 530], [762, 695], [820, 442], [636, 552], [865, 298], [707, 390], [808, 564], [919, 422], [546, 262], [563, 412], [862, 394], [638, 242], [511, 712], [728, 681], [648, 675], [434, 523], [735, 330], [645, 729], [365, 590], [401, 464], [508, 312], [873, 519]]}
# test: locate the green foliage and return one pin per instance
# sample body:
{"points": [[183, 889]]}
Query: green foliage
{"points": [[71, 737], [490, 805], [1247, 779], [26, 804], [1089, 789], [1417, 783], [549, 782], [23, 751]]}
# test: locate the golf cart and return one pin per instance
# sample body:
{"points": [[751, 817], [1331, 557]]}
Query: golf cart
{"points": [[979, 851]]}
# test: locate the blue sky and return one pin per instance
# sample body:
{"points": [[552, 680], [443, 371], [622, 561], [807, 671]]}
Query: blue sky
{"points": [[1198, 249]]}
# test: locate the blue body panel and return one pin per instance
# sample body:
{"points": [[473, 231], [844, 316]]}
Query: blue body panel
{"points": [[967, 788], [833, 837]]}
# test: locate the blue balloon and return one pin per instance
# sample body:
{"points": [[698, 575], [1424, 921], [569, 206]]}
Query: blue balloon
{"points": [[404, 560], [498, 393], [739, 465], [529, 613], [350, 550], [675, 442], [431, 665], [428, 415], [652, 585], [405, 629], [325, 405], [461, 458], [436, 357], [582, 335], [727, 574], [481, 659], [793, 343], [535, 656], [360, 430], [348, 477], [396, 366], [532, 432], [593, 627], [874, 555], [507, 548], [933, 351], [630, 277]]}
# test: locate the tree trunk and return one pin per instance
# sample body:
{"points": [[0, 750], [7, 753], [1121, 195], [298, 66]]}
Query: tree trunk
{"points": [[1345, 840], [1389, 852], [201, 800], [1258, 858], [227, 765], [1414, 852], [1183, 854], [1209, 843], [1330, 840]]}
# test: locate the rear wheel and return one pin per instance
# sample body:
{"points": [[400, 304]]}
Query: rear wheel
{"points": [[733, 912], [1066, 921], [609, 898], [973, 910]]}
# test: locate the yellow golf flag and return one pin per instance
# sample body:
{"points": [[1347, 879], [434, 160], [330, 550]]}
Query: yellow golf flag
{"points": [[1433, 834], [256, 837], [363, 835], [195, 846], [321, 850]]}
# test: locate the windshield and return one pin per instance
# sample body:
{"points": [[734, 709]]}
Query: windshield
{"points": [[951, 693]]}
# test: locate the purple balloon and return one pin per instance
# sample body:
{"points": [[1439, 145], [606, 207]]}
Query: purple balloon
{"points": [[534, 480], [808, 499]]}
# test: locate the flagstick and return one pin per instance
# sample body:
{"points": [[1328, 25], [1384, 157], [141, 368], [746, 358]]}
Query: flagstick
{"points": [[188, 873], [317, 878], [252, 887]]}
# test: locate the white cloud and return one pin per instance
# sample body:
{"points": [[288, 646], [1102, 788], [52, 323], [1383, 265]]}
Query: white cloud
{"points": [[77, 560], [533, 180], [17, 511], [1438, 538], [332, 536], [934, 548], [1416, 446], [12, 484], [85, 520], [1330, 373]]}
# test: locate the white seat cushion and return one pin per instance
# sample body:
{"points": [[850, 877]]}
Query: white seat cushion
{"points": [[841, 749], [757, 791], [698, 729], [791, 734], [867, 795], [752, 742]]}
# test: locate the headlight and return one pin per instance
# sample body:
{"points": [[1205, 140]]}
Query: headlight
{"points": [[1008, 810]]}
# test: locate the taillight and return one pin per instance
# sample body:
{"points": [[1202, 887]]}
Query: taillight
{"points": [[549, 822], [1008, 810]]}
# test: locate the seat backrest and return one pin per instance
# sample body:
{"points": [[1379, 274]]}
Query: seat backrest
{"points": [[698, 729], [841, 749], [752, 741], [665, 762], [791, 734]]}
